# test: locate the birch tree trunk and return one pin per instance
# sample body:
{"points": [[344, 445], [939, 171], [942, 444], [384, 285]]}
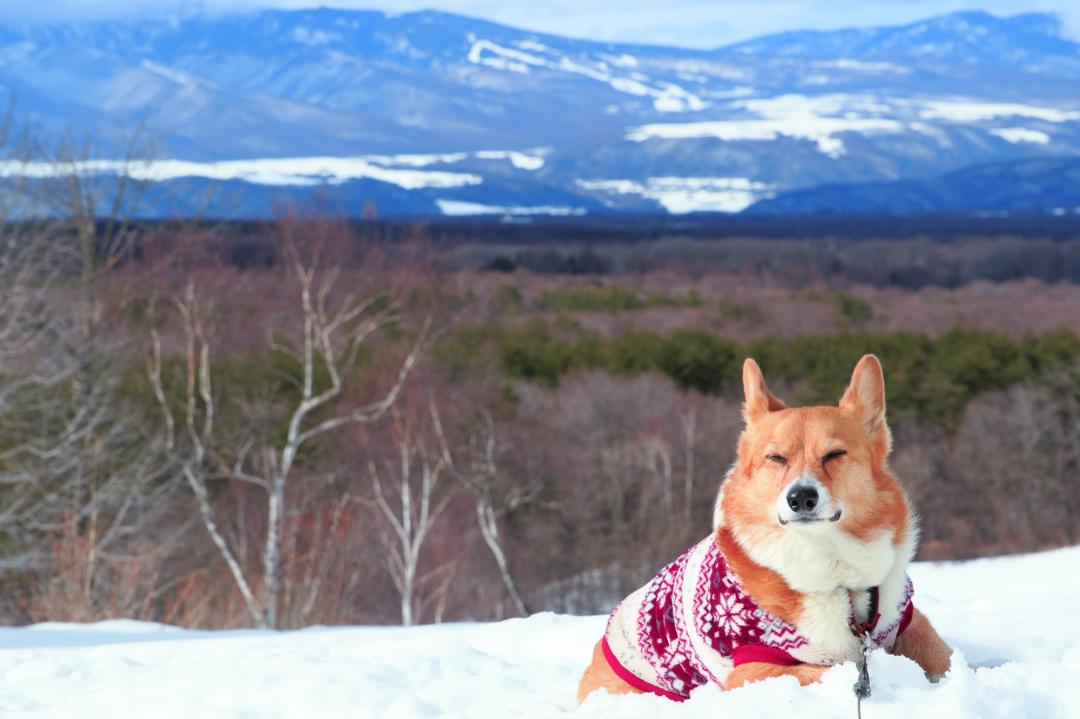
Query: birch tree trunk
{"points": [[481, 479], [489, 530], [409, 522], [330, 341]]}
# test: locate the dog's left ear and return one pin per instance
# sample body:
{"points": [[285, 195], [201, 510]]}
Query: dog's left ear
{"points": [[865, 396]]}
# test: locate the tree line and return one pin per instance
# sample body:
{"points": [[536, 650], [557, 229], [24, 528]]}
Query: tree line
{"points": [[328, 426]]}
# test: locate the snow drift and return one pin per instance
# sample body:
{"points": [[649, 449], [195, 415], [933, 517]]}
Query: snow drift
{"points": [[1013, 622]]}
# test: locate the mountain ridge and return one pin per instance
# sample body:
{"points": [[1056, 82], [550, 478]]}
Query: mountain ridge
{"points": [[622, 127], [1039, 185], [1022, 28]]}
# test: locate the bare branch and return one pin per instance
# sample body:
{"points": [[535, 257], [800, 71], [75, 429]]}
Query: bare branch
{"points": [[376, 410], [198, 487]]}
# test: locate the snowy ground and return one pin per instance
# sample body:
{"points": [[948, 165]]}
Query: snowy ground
{"points": [[1016, 621]]}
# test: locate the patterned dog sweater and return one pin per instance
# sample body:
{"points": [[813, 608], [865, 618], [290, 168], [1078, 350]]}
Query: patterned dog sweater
{"points": [[693, 623]]}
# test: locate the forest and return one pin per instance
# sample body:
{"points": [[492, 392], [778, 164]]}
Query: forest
{"points": [[318, 421]]}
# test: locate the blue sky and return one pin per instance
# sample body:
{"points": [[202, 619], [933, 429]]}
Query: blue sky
{"points": [[692, 23]]}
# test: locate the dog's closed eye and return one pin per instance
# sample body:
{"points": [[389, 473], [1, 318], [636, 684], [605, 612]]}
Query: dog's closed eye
{"points": [[833, 455], [776, 458]]}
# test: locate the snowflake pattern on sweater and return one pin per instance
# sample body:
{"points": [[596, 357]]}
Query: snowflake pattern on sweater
{"points": [[686, 627]]}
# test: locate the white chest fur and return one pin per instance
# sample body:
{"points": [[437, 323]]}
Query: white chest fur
{"points": [[832, 570], [822, 558]]}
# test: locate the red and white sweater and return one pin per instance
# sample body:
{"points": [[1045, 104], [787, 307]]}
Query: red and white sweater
{"points": [[693, 623]]}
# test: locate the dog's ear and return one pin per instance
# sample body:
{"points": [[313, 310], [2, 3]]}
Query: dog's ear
{"points": [[759, 400], [865, 396]]}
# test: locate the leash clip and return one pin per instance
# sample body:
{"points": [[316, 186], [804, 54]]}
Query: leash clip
{"points": [[865, 633], [862, 684]]}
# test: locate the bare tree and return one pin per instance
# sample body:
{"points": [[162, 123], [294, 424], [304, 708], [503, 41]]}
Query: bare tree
{"points": [[73, 449], [494, 493], [410, 509], [78, 477], [97, 198], [328, 346]]}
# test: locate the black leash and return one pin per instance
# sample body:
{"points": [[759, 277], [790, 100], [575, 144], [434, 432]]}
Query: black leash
{"points": [[864, 632]]}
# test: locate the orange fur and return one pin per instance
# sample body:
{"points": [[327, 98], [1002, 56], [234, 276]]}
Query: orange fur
{"points": [[768, 588], [921, 644], [804, 436], [858, 480], [600, 675], [756, 671]]}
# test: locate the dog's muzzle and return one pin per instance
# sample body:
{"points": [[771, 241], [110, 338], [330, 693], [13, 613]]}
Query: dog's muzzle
{"points": [[806, 501]]}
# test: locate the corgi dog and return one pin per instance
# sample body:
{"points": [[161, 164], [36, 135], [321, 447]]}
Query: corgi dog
{"points": [[806, 567]]}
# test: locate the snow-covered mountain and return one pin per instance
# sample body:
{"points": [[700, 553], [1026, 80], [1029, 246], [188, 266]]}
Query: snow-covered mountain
{"points": [[1011, 622], [1031, 42], [428, 112]]}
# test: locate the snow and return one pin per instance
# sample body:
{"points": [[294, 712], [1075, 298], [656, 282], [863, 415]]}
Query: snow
{"points": [[520, 160], [624, 60], [1012, 621], [974, 111], [534, 45], [459, 208], [817, 119], [414, 160], [401, 170], [501, 58], [630, 87], [532, 160], [406, 170], [680, 195], [672, 98], [296, 171], [667, 97], [822, 118], [1021, 134]]}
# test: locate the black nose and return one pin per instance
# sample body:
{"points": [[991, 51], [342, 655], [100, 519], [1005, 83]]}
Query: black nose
{"points": [[802, 498]]}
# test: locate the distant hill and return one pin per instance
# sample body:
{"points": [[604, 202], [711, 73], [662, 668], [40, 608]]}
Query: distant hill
{"points": [[1041, 185], [430, 112]]}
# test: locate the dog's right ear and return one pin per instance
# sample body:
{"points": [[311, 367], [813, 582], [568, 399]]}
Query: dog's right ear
{"points": [[759, 400], [865, 396]]}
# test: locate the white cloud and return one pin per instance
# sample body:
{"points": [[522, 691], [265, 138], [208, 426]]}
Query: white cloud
{"points": [[693, 23]]}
